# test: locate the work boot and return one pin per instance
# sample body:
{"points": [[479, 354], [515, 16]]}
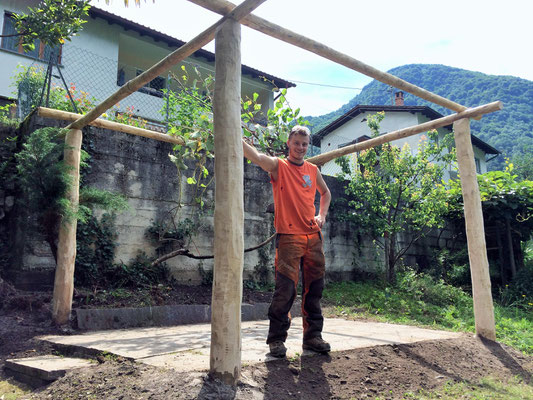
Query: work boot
{"points": [[277, 349], [317, 344]]}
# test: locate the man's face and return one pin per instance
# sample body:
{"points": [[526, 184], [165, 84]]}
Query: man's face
{"points": [[298, 145]]}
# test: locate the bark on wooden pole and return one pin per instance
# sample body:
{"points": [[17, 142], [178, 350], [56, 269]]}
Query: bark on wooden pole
{"points": [[321, 159], [278, 32], [475, 232], [225, 359], [114, 126], [66, 255]]}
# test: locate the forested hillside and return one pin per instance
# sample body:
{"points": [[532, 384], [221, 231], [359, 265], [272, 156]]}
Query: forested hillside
{"points": [[509, 130]]}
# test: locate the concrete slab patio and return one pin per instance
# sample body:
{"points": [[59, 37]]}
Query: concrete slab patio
{"points": [[41, 370], [186, 347]]}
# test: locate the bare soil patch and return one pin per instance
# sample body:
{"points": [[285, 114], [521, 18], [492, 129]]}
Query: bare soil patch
{"points": [[387, 371]]}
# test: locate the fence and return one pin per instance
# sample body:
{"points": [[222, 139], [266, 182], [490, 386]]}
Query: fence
{"points": [[91, 78]]}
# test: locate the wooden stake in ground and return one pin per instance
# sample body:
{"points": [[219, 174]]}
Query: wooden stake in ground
{"points": [[225, 360], [64, 277], [475, 232]]}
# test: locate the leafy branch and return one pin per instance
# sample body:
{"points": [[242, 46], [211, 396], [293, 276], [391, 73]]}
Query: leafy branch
{"points": [[52, 22]]}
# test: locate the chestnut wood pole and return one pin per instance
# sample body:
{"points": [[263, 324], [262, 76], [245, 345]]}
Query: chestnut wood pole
{"points": [[225, 359], [66, 255], [475, 232], [64, 280], [114, 126], [288, 36], [321, 159]]}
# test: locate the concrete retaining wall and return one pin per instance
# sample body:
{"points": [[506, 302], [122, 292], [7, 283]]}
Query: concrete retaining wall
{"points": [[141, 169]]}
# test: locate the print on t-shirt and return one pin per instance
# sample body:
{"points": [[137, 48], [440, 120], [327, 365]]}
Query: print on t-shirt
{"points": [[307, 181]]}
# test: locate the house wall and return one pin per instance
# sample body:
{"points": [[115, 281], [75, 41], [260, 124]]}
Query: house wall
{"points": [[393, 121], [92, 59], [9, 60], [358, 127], [482, 157]]}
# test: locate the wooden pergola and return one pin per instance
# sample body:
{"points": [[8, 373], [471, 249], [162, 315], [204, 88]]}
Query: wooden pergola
{"points": [[225, 358]]}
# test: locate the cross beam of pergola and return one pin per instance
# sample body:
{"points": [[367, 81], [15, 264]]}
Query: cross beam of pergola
{"points": [[225, 358]]}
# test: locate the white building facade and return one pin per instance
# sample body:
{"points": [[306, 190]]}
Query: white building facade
{"points": [[110, 51], [352, 127]]}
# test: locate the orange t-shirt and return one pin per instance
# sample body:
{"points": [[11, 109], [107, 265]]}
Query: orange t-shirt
{"points": [[294, 198]]}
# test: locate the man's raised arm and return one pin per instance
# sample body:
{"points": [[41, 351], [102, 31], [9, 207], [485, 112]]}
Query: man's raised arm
{"points": [[267, 163]]}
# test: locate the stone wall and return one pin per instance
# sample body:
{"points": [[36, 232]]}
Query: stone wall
{"points": [[141, 169]]}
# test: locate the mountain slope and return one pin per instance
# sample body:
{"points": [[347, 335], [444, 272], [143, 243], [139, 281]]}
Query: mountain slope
{"points": [[509, 130]]}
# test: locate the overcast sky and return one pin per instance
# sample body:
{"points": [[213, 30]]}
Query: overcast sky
{"points": [[491, 36]]}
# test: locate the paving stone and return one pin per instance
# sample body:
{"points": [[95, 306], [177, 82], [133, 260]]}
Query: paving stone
{"points": [[41, 370]]}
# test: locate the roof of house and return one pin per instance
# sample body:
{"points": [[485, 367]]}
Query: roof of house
{"points": [[359, 109], [111, 18]]}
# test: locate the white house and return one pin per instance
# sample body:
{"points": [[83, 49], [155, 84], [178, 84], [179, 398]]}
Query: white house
{"points": [[352, 127], [111, 50]]}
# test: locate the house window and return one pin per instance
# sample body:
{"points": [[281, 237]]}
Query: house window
{"points": [[14, 43], [478, 165]]}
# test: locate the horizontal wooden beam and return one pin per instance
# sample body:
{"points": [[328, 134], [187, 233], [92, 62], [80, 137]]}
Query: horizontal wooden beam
{"points": [[166, 63], [278, 32], [405, 132], [114, 126]]}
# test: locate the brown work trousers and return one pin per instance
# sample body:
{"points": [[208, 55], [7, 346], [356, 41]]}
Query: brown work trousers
{"points": [[295, 253]]}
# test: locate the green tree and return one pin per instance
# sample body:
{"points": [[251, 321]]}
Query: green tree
{"points": [[52, 22], [523, 162], [393, 190]]}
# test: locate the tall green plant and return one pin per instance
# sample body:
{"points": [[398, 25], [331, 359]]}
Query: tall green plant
{"points": [[189, 115], [271, 132], [393, 190], [44, 180]]}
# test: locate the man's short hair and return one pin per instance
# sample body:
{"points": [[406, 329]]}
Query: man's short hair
{"points": [[300, 130]]}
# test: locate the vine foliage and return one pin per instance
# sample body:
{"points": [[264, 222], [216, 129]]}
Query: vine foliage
{"points": [[44, 181], [189, 115]]}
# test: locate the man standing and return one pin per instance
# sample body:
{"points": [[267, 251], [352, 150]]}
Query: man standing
{"points": [[298, 241]]}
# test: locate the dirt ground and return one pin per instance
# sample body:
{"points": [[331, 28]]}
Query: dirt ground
{"points": [[388, 371]]}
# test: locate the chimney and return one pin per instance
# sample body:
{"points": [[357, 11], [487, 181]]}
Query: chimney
{"points": [[398, 99]]}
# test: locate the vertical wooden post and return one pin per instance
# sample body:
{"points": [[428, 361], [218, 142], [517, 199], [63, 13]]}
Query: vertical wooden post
{"points": [[225, 360], [475, 232], [66, 251]]}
